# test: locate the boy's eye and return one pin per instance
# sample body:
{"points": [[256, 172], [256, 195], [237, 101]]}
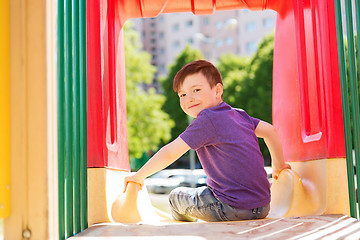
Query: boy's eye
{"points": [[182, 95], [197, 90]]}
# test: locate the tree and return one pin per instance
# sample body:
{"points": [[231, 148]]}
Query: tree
{"points": [[234, 71], [257, 91], [230, 62], [172, 106], [248, 82], [148, 125]]}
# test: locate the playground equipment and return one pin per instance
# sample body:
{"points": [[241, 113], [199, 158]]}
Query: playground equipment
{"points": [[306, 107], [350, 81], [306, 110], [72, 106], [5, 110]]}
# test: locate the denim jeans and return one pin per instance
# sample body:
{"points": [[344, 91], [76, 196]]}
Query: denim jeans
{"points": [[189, 204]]}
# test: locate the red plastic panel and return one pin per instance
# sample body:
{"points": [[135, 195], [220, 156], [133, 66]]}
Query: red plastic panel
{"points": [[107, 132], [306, 100], [152, 8], [306, 86]]}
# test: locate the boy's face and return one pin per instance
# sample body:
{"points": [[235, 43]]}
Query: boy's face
{"points": [[196, 94]]}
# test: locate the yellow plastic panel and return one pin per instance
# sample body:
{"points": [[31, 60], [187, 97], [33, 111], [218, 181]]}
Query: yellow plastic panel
{"points": [[108, 203], [311, 188], [292, 197], [4, 110]]}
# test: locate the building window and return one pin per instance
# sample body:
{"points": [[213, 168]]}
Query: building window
{"points": [[176, 45], [153, 41], [161, 35], [153, 50], [218, 24], [269, 22], [251, 46], [219, 43], [189, 23], [250, 27], [176, 27], [162, 67], [162, 51], [153, 24], [190, 40], [206, 21], [153, 34], [229, 40]]}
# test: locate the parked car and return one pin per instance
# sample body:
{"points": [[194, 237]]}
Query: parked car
{"points": [[166, 180], [269, 174], [197, 178]]}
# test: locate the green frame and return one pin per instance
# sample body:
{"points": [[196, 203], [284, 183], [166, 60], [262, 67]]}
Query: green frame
{"points": [[72, 119]]}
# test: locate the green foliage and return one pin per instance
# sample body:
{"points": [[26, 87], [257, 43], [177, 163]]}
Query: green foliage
{"points": [[234, 71], [230, 62], [172, 106], [257, 92], [148, 125], [347, 55], [248, 82]]}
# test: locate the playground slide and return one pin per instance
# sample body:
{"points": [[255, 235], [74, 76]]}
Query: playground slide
{"points": [[110, 204], [134, 206], [292, 196], [306, 111], [306, 105]]}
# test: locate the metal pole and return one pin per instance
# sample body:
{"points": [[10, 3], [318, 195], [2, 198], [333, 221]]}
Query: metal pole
{"points": [[192, 159]]}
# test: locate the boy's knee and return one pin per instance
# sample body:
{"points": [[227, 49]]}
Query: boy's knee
{"points": [[178, 204], [174, 194]]}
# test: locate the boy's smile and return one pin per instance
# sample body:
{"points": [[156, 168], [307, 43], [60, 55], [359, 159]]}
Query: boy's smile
{"points": [[196, 94]]}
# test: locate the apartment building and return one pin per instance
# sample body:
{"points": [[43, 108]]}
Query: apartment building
{"points": [[231, 31]]}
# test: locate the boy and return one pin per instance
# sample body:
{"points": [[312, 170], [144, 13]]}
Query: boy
{"points": [[225, 140]]}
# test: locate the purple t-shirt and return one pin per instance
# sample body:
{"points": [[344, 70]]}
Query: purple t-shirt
{"points": [[229, 152]]}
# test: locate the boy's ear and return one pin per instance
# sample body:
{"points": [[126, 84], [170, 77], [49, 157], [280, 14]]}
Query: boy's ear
{"points": [[219, 90]]}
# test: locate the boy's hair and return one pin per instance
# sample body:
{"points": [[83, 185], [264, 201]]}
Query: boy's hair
{"points": [[210, 72]]}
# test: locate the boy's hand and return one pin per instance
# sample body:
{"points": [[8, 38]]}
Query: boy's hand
{"points": [[135, 179], [276, 171]]}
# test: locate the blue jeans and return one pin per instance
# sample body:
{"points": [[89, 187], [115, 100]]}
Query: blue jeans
{"points": [[189, 204]]}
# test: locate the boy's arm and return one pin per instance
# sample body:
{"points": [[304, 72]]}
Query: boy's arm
{"points": [[163, 158], [271, 138]]}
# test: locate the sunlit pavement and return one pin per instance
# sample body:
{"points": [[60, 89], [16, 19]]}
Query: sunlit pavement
{"points": [[299, 228], [160, 201]]}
